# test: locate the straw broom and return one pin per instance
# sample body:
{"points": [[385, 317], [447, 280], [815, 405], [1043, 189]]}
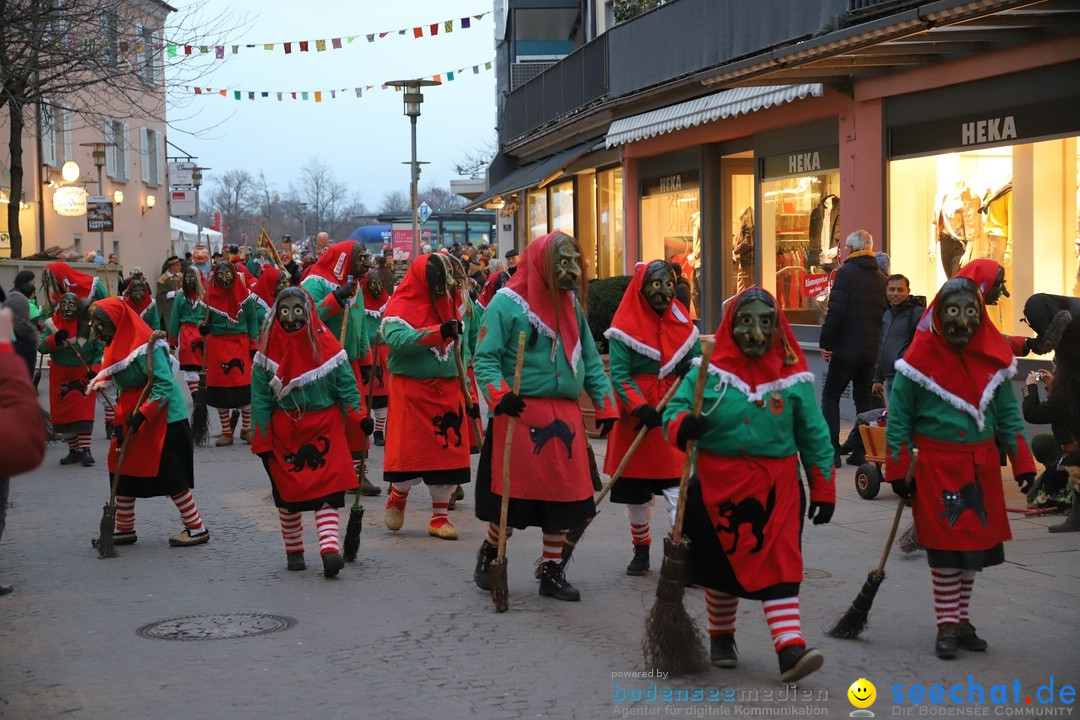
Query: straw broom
{"points": [[854, 621], [500, 590], [672, 641], [574, 534], [351, 544], [105, 546]]}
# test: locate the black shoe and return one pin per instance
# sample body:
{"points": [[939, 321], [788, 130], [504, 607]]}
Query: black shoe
{"points": [[379, 438], [722, 651], [640, 563], [368, 488], [73, 457], [482, 574], [947, 642], [836, 460], [459, 494], [553, 583], [332, 563], [966, 638], [108, 430], [6, 589], [87, 459], [1071, 524], [845, 449], [855, 460], [296, 561], [797, 662]]}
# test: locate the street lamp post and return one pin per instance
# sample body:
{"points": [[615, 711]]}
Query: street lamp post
{"points": [[303, 220], [196, 180], [413, 98], [98, 154]]}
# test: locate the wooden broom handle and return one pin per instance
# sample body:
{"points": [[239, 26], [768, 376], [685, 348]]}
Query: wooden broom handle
{"points": [[504, 508], [899, 512], [345, 317], [154, 337], [688, 465]]}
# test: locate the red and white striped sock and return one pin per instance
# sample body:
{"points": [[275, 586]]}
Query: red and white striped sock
{"points": [[193, 388], [722, 611], [639, 517], [440, 503], [397, 498], [783, 618], [327, 522], [380, 420], [84, 441], [125, 514], [189, 514], [72, 442], [245, 418], [110, 411], [946, 594], [967, 584], [493, 533], [292, 530], [553, 544], [223, 416]]}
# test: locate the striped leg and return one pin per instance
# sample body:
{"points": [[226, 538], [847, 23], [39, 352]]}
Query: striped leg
{"points": [[784, 624], [292, 530], [189, 514], [722, 611], [125, 514], [947, 594], [327, 522]]}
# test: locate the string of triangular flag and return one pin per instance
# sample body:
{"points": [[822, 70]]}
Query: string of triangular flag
{"points": [[322, 45], [320, 95]]}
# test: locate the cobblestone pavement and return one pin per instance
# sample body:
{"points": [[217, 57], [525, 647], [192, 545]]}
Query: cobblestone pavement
{"points": [[404, 632]]}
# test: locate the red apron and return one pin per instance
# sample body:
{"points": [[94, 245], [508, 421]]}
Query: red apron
{"points": [[958, 503], [189, 355], [67, 401], [310, 457], [358, 441], [143, 457], [379, 374], [548, 457], [753, 504], [655, 458], [427, 422], [228, 361]]}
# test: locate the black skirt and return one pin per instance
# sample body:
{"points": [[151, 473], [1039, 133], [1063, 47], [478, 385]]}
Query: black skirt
{"points": [[544, 514], [176, 472], [335, 500], [707, 564], [638, 491], [966, 559], [458, 476], [226, 398]]}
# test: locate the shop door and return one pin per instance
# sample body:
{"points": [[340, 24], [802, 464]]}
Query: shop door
{"points": [[737, 242]]}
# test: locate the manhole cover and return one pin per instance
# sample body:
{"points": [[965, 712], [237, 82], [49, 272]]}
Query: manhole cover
{"points": [[815, 574], [215, 627]]}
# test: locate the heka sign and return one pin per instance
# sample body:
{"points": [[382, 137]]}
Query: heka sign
{"points": [[423, 212]]}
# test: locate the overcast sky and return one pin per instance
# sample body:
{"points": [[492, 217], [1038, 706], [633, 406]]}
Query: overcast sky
{"points": [[365, 140]]}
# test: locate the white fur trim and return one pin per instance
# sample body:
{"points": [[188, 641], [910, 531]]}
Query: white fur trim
{"points": [[105, 373], [757, 393], [680, 353], [373, 313], [261, 302], [632, 343], [281, 390], [977, 413]]}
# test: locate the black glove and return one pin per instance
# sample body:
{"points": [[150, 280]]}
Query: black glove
{"points": [[648, 416], [135, 421], [198, 345], [1025, 481], [473, 411], [820, 512], [510, 404], [450, 330], [204, 329], [367, 426], [90, 374], [265, 456], [605, 426], [118, 434], [60, 336], [902, 488], [251, 353], [682, 367], [365, 374], [343, 292], [692, 427]]}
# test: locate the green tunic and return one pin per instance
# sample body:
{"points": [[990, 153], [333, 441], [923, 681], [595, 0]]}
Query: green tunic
{"points": [[164, 393], [330, 312], [184, 312], [417, 352], [336, 387], [247, 322], [90, 350]]}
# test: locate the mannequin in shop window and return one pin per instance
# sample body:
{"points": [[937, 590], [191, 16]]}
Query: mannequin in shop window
{"points": [[825, 229], [997, 209], [958, 223], [694, 258], [742, 252]]}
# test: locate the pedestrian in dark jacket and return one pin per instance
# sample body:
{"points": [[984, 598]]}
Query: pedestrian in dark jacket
{"points": [[897, 328], [682, 285], [26, 332], [851, 333]]}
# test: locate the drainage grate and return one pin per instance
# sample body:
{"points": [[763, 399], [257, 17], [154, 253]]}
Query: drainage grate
{"points": [[814, 574], [215, 627]]}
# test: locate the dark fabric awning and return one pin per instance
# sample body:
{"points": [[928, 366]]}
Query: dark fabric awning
{"points": [[534, 173]]}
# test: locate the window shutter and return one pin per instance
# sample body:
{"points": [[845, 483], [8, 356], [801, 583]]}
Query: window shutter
{"points": [[125, 144], [110, 151], [48, 134], [159, 138], [67, 135], [145, 138], [157, 72]]}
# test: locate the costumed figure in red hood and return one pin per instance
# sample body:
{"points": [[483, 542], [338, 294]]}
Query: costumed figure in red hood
{"points": [[426, 419], [272, 280], [160, 457], [303, 395], [137, 296], [231, 332], [760, 422], [952, 400], [333, 284], [58, 278], [651, 342], [495, 283], [375, 299], [188, 312], [550, 482], [73, 360]]}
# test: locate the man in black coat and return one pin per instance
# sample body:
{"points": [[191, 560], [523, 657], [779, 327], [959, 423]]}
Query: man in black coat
{"points": [[851, 333]]}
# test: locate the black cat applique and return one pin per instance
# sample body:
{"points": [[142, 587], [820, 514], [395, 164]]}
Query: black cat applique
{"points": [[73, 386], [236, 363], [748, 510], [969, 497], [446, 422], [309, 457], [554, 429]]}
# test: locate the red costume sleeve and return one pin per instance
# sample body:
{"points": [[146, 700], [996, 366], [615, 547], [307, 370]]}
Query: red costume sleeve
{"points": [[24, 433], [897, 464], [1018, 345]]}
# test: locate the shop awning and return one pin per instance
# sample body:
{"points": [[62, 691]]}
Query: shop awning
{"points": [[728, 103], [535, 173]]}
